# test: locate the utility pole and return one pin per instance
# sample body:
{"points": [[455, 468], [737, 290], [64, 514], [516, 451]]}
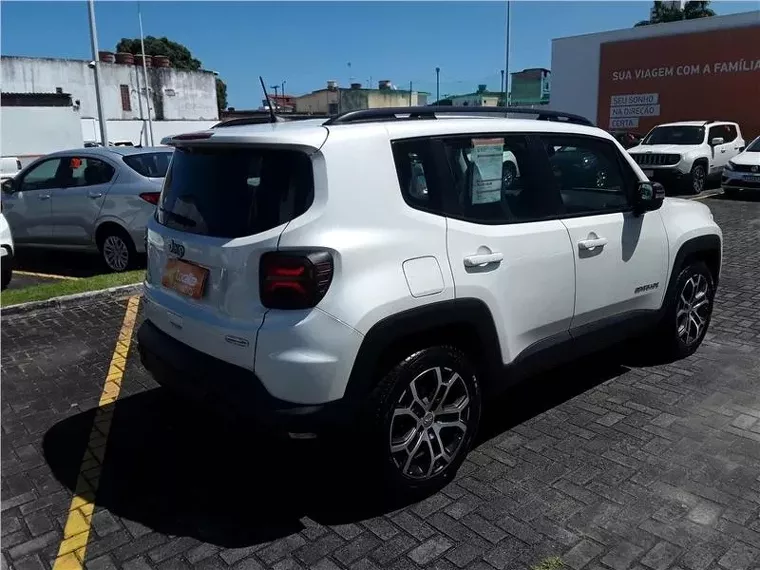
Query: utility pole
{"points": [[96, 68], [437, 85], [283, 88], [503, 94], [145, 74], [410, 93], [506, 57]]}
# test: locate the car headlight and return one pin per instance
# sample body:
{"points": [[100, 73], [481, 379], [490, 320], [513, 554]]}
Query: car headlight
{"points": [[730, 166]]}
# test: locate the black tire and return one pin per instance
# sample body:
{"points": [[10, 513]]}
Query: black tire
{"points": [[6, 272], [671, 340], [117, 249], [509, 174], [393, 392], [697, 178]]}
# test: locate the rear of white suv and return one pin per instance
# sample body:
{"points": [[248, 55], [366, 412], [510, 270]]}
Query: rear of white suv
{"points": [[222, 299]]}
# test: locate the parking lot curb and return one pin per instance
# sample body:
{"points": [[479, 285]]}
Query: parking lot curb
{"points": [[76, 299]]}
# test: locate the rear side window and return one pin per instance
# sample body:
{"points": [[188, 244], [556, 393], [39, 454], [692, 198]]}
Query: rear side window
{"points": [[229, 192], [150, 164]]}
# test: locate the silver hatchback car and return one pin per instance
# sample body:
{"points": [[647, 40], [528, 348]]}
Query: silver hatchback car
{"points": [[87, 199]]}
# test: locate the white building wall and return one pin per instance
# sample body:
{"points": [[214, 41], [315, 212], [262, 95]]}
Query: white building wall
{"points": [[134, 131], [28, 132], [176, 94], [575, 59]]}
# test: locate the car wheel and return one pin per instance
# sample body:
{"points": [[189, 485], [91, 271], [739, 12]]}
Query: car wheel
{"points": [[509, 174], [117, 250], [6, 272], [698, 178], [688, 313], [424, 416]]}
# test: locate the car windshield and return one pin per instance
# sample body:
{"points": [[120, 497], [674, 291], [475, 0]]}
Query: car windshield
{"points": [[150, 164], [755, 146], [675, 135]]}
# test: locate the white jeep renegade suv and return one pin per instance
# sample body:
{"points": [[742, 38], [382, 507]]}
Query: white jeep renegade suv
{"points": [[380, 271], [687, 154]]}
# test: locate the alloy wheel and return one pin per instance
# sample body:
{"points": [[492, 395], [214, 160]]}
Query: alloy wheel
{"points": [[693, 309], [116, 253], [698, 179], [430, 422]]}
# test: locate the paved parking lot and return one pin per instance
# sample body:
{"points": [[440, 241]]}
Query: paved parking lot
{"points": [[607, 465]]}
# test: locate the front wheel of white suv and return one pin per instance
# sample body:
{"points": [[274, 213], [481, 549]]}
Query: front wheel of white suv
{"points": [[423, 417], [688, 313], [698, 178]]}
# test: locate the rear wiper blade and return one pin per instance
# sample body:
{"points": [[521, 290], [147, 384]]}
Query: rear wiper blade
{"points": [[179, 218]]}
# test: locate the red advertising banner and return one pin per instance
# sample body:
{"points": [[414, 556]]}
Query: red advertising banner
{"points": [[711, 75]]}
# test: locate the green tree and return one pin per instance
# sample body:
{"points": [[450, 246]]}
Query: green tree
{"points": [[663, 12], [179, 55]]}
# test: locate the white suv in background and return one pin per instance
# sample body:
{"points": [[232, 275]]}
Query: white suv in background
{"points": [[378, 272], [686, 155], [743, 171]]}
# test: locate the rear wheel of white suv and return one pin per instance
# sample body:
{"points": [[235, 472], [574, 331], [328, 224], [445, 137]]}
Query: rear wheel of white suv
{"points": [[423, 418]]}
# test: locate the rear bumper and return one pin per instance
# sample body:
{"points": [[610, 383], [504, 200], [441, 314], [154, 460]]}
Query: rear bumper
{"points": [[227, 388]]}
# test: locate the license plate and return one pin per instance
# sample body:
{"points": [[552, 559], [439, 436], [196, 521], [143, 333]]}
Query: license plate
{"points": [[184, 278], [649, 173], [752, 178]]}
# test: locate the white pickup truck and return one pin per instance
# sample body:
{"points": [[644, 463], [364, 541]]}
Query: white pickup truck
{"points": [[686, 154]]}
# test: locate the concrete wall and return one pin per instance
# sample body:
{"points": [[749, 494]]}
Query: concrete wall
{"points": [[355, 99], [134, 131], [476, 100], [175, 94], [27, 132], [575, 60]]}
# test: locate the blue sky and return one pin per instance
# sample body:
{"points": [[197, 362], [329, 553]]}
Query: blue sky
{"points": [[307, 43]]}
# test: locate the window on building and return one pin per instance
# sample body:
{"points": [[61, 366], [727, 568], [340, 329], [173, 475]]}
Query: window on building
{"points": [[126, 100]]}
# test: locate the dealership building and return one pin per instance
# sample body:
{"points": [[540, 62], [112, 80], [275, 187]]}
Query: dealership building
{"points": [[634, 79]]}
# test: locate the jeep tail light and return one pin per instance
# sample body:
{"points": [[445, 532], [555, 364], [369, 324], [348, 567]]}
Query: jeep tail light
{"points": [[151, 197], [294, 280]]}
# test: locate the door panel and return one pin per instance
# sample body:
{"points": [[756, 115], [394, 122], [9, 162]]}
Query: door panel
{"points": [[502, 248], [621, 264], [77, 205], [29, 209]]}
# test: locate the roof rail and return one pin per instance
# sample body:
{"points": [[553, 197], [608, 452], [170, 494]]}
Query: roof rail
{"points": [[411, 113]]}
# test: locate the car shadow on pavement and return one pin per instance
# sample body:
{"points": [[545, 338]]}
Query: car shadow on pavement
{"points": [[65, 263], [183, 472]]}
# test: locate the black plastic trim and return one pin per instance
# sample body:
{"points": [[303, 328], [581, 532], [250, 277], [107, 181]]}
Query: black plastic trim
{"points": [[707, 243]]}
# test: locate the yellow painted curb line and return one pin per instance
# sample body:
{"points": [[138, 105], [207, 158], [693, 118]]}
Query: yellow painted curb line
{"points": [[79, 522]]}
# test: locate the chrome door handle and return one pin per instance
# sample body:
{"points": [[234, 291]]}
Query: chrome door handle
{"points": [[43, 196], [482, 259], [94, 195], [592, 243]]}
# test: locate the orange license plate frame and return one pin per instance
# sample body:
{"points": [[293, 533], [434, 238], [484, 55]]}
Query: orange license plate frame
{"points": [[185, 278]]}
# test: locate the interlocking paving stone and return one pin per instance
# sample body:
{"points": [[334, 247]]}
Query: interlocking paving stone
{"points": [[625, 468]]}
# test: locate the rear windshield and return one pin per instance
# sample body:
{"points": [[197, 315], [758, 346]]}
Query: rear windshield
{"points": [[234, 192], [150, 164]]}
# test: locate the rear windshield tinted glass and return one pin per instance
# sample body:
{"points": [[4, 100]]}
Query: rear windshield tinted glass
{"points": [[234, 192], [150, 164]]}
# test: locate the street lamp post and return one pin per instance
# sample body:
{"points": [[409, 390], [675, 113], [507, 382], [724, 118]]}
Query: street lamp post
{"points": [[437, 85], [506, 56], [283, 90], [503, 90], [96, 68]]}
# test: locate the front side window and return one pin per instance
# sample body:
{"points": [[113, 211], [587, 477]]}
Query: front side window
{"points": [[588, 173], [42, 176], [675, 134]]}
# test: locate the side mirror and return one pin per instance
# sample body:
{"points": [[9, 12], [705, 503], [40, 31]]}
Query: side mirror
{"points": [[9, 186], [716, 141], [649, 196]]}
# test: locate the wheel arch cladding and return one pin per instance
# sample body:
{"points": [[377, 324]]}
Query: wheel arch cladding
{"points": [[705, 248], [464, 323]]}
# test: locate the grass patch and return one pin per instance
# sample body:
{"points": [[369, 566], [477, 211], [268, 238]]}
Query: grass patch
{"points": [[551, 563], [70, 287]]}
